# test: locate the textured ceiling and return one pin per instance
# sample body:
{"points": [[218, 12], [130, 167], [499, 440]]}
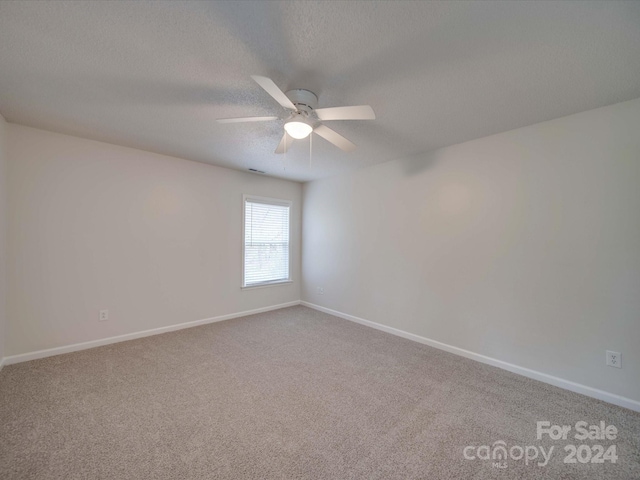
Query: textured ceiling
{"points": [[156, 75]]}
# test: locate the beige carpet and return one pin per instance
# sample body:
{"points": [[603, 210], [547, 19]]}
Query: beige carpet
{"points": [[292, 393]]}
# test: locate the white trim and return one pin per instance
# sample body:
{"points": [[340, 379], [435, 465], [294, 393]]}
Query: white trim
{"points": [[2, 362], [282, 202], [526, 372], [267, 284], [25, 357], [270, 201]]}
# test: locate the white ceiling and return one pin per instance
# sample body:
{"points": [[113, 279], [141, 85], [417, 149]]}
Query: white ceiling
{"points": [[156, 75]]}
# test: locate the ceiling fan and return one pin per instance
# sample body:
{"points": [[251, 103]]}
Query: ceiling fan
{"points": [[304, 118]]}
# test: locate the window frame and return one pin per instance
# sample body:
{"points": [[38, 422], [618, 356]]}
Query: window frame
{"points": [[269, 201]]}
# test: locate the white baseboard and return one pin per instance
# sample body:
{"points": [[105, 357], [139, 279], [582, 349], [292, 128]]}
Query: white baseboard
{"points": [[25, 357], [526, 372]]}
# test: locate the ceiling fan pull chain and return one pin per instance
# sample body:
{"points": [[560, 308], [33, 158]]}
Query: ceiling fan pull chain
{"points": [[284, 158], [310, 149]]}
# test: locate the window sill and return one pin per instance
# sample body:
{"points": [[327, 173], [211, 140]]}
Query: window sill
{"points": [[270, 284]]}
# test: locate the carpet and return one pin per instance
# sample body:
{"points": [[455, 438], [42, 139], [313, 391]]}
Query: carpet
{"points": [[294, 394]]}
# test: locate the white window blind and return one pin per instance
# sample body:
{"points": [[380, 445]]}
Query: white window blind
{"points": [[266, 241]]}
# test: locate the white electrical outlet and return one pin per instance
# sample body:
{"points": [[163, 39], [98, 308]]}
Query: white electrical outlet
{"points": [[104, 315], [320, 291], [614, 359]]}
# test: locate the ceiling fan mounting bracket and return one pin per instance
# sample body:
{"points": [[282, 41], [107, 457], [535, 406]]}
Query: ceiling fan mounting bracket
{"points": [[304, 100]]}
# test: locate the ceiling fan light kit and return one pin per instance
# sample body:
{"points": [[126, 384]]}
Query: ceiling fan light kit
{"points": [[300, 124], [297, 128], [305, 118]]}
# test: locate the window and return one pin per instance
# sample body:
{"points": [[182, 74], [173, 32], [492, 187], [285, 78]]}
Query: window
{"points": [[266, 241]]}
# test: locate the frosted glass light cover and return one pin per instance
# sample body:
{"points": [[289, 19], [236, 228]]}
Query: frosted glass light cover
{"points": [[298, 130]]}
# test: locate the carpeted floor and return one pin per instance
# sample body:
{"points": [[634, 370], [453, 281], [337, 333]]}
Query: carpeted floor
{"points": [[292, 393]]}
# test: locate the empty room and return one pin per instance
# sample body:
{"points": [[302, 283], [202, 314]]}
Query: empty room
{"points": [[319, 240]]}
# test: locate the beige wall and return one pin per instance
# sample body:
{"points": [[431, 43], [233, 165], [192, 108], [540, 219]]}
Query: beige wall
{"points": [[522, 246], [154, 239], [3, 235]]}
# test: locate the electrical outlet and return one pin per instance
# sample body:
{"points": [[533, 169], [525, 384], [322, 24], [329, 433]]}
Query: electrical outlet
{"points": [[614, 359], [104, 315], [320, 291]]}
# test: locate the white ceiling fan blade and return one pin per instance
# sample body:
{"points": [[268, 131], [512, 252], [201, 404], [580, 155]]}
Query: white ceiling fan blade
{"points": [[246, 119], [273, 90], [335, 138], [358, 112], [284, 144]]}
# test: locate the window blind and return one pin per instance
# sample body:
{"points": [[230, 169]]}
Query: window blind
{"points": [[266, 241]]}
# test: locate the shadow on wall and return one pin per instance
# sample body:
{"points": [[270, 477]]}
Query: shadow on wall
{"points": [[419, 162], [413, 157], [414, 164]]}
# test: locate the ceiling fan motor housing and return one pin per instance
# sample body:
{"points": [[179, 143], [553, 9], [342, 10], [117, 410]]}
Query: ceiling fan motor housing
{"points": [[304, 100]]}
